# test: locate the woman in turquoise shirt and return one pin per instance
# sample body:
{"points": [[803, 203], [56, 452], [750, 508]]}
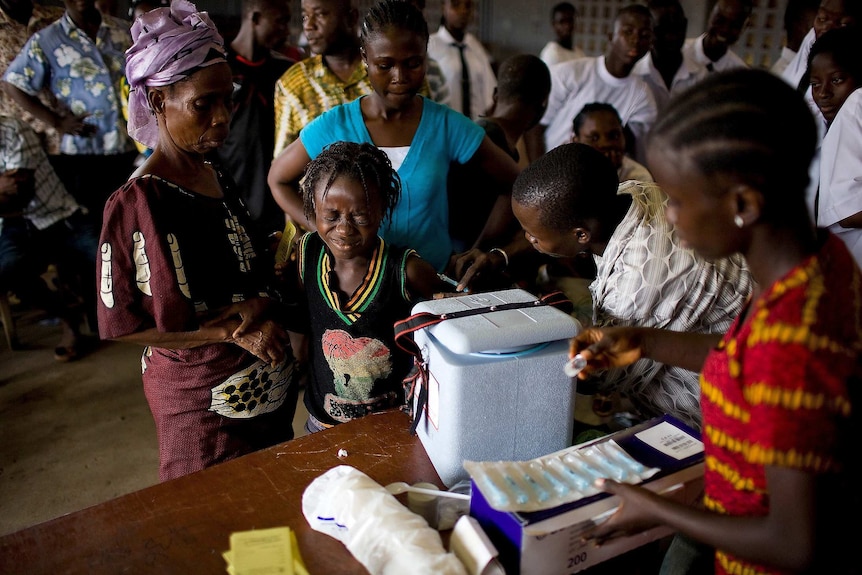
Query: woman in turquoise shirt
{"points": [[421, 138]]}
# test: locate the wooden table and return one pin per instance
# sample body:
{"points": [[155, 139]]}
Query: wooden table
{"points": [[182, 526]]}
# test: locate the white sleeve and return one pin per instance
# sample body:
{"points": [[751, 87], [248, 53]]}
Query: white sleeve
{"points": [[548, 55], [792, 74], [841, 164], [641, 121], [561, 89]]}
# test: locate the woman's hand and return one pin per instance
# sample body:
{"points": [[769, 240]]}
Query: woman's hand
{"points": [[634, 514], [251, 312], [607, 347], [269, 342], [256, 332]]}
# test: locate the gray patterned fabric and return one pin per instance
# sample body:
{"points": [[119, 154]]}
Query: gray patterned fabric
{"points": [[646, 278]]}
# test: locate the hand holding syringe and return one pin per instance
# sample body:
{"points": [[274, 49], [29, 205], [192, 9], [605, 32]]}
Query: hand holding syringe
{"points": [[453, 283]]}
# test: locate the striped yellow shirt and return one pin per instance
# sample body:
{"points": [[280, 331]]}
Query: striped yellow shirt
{"points": [[308, 89]]}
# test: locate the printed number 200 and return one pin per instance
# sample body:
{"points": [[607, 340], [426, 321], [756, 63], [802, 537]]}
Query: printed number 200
{"points": [[577, 559]]}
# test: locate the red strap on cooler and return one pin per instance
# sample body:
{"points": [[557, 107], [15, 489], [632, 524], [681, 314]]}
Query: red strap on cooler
{"points": [[404, 339]]}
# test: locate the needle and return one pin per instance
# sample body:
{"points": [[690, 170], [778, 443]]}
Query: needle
{"points": [[451, 282]]}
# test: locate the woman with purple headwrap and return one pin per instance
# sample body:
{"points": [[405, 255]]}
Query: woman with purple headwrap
{"points": [[180, 272]]}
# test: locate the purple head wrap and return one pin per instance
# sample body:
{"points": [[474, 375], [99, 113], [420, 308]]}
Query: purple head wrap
{"points": [[168, 43]]}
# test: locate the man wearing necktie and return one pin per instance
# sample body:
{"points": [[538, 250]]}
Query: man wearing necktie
{"points": [[712, 49], [464, 62], [465, 80]]}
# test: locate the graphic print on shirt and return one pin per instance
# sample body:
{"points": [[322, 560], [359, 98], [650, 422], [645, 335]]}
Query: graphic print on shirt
{"points": [[148, 352], [177, 258], [253, 391], [240, 241], [142, 263], [356, 364], [106, 280]]}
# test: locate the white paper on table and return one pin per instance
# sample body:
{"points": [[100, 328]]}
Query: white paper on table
{"points": [[671, 440]]}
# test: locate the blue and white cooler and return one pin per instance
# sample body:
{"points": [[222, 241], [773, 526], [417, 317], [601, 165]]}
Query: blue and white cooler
{"points": [[495, 386]]}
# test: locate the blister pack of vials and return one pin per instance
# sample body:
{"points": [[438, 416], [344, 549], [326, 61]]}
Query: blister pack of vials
{"points": [[555, 479]]}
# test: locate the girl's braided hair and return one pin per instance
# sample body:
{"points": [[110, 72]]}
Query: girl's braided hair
{"points": [[394, 13], [364, 163], [745, 123]]}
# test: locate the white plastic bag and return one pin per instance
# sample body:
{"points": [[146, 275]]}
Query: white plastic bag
{"points": [[383, 535]]}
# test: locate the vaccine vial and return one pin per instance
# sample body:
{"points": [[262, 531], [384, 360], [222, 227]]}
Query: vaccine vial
{"points": [[575, 366]]}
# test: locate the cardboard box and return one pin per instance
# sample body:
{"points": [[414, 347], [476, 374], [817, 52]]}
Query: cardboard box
{"points": [[549, 542], [496, 385]]}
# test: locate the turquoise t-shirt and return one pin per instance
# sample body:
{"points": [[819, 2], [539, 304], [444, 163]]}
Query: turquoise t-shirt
{"points": [[421, 218]]}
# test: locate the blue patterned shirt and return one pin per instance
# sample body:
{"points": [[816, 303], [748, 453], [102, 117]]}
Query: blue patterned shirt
{"points": [[83, 75]]}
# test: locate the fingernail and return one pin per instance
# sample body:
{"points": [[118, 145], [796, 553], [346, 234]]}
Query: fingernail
{"points": [[599, 482]]}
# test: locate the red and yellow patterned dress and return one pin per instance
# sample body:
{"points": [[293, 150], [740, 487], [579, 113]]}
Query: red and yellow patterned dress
{"points": [[777, 392]]}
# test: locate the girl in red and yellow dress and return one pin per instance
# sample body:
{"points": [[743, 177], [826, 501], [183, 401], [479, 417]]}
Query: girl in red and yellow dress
{"points": [[779, 391]]}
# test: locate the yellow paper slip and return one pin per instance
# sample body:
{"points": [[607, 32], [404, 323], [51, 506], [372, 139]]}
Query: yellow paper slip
{"points": [[264, 552], [285, 245]]}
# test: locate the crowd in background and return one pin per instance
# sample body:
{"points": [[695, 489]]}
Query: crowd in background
{"points": [[690, 208]]}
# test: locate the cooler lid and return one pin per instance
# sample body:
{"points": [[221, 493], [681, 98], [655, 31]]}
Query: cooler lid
{"points": [[498, 332]]}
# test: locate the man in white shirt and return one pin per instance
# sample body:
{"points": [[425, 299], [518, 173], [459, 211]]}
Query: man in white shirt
{"points": [[798, 19], [831, 14], [712, 48], [607, 78], [562, 48], [454, 48], [665, 70]]}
